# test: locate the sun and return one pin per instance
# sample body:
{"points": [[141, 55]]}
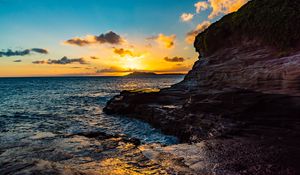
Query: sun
{"points": [[132, 63]]}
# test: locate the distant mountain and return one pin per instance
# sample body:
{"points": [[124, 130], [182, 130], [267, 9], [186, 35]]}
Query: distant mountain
{"points": [[139, 74], [142, 74]]}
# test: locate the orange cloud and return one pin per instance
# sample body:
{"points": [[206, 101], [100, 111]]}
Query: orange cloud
{"points": [[224, 6], [219, 7], [185, 17], [123, 52], [190, 36], [164, 40]]}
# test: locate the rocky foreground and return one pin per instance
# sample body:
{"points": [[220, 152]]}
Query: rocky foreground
{"points": [[238, 109]]}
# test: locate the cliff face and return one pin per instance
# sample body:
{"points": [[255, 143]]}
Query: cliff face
{"points": [[247, 65], [244, 91]]}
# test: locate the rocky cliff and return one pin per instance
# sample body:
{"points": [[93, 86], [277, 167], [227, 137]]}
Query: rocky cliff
{"points": [[255, 48], [241, 98]]}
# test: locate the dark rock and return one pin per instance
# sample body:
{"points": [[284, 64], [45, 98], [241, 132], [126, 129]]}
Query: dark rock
{"points": [[245, 91], [96, 134], [103, 136]]}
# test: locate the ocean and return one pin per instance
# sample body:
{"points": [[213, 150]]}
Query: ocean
{"points": [[37, 113]]}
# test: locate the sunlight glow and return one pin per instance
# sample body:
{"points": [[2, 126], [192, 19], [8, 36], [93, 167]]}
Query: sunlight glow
{"points": [[132, 63]]}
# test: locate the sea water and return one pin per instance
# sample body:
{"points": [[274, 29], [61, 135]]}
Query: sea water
{"points": [[37, 113]]}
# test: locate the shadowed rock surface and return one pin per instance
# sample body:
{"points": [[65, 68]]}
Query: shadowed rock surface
{"points": [[241, 100]]}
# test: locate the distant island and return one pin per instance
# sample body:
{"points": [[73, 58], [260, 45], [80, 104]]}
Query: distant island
{"points": [[142, 74]]}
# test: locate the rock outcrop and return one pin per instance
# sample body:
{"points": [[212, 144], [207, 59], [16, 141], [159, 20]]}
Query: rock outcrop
{"points": [[244, 92], [256, 48], [247, 66]]}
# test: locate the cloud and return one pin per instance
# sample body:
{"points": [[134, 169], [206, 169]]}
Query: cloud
{"points": [[201, 5], [18, 61], [123, 52], [63, 61], [190, 36], [40, 62], [219, 7], [109, 38], [174, 59], [81, 42], [164, 40], [185, 17], [94, 57], [225, 6], [9, 52], [39, 50]]}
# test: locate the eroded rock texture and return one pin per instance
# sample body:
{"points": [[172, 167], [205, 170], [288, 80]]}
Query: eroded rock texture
{"points": [[242, 97]]}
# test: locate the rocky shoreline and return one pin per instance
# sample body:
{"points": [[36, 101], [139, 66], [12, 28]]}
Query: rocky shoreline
{"points": [[241, 100], [242, 129]]}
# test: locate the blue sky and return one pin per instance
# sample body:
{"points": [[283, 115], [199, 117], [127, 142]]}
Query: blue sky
{"points": [[27, 22], [47, 24]]}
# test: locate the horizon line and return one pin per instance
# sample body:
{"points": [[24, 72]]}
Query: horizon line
{"points": [[76, 76]]}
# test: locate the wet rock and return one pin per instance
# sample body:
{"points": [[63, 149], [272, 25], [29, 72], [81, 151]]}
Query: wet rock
{"points": [[95, 134], [104, 136]]}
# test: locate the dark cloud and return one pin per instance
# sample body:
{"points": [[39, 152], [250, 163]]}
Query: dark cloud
{"points": [[62, 61], [39, 62], [18, 61], [9, 52], [39, 50], [174, 59], [94, 58], [110, 38], [123, 52], [79, 42]]}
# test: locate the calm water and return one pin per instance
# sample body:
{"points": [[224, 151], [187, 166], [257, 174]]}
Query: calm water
{"points": [[35, 113]]}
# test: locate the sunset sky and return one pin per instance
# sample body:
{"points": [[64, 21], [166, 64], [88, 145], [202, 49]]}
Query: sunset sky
{"points": [[103, 37]]}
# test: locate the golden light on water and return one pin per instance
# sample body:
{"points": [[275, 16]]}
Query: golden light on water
{"points": [[116, 166]]}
